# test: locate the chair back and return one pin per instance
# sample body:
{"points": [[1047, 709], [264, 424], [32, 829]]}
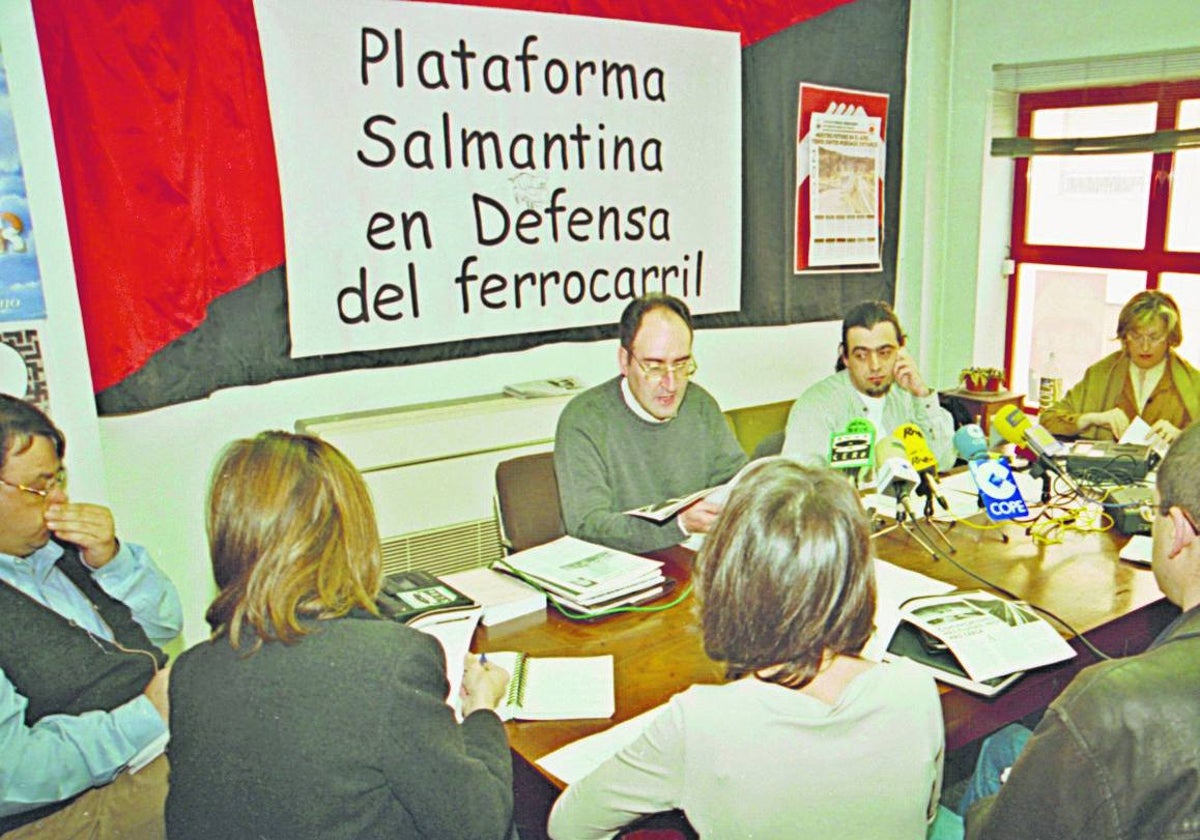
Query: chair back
{"points": [[527, 501], [772, 444]]}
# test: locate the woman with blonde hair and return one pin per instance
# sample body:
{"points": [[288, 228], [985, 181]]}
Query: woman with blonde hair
{"points": [[806, 739], [306, 715], [1145, 377]]}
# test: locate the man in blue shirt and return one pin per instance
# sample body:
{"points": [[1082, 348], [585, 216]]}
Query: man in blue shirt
{"points": [[83, 682]]}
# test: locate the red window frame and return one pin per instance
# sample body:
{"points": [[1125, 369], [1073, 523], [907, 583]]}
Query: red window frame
{"points": [[1153, 258]]}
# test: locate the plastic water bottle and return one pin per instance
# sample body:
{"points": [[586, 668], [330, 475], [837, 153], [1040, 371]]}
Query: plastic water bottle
{"points": [[1050, 385]]}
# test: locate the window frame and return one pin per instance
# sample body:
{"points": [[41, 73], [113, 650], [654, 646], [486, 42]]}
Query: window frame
{"points": [[1153, 258]]}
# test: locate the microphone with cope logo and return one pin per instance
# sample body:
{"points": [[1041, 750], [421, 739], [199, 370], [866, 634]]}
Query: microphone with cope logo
{"points": [[993, 477]]}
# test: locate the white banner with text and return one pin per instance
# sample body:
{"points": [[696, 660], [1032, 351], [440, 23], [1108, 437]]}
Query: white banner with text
{"points": [[450, 172]]}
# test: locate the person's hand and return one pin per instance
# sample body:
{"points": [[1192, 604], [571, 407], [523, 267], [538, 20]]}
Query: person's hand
{"points": [[483, 685], [156, 692], [699, 517], [1163, 432], [1115, 420], [90, 527], [907, 376]]}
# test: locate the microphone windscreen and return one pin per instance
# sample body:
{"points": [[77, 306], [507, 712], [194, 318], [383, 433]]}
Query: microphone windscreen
{"points": [[915, 447], [1012, 423], [851, 448], [888, 448], [970, 442], [894, 475]]}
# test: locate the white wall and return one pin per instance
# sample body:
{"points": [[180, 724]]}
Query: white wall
{"points": [[955, 223]]}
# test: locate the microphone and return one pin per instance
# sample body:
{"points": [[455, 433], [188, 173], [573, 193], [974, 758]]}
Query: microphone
{"points": [[999, 494], [970, 442], [922, 459], [894, 473], [998, 489], [852, 448], [1014, 426]]}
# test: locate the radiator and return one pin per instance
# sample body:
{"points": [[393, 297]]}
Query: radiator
{"points": [[431, 471]]}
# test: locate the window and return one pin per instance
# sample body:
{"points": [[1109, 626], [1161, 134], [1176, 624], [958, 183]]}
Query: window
{"points": [[1090, 230]]}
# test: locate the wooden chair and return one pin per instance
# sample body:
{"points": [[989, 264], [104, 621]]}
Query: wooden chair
{"points": [[527, 501]]}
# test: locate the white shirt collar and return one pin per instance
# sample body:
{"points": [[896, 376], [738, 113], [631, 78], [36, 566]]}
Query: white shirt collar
{"points": [[636, 407], [1145, 381]]}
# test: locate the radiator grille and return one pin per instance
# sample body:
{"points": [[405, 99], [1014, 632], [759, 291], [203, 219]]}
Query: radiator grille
{"points": [[449, 548]]}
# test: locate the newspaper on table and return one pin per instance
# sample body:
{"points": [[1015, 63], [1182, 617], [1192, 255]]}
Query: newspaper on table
{"points": [[990, 636]]}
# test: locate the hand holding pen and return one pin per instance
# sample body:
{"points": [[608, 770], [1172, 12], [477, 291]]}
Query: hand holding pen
{"points": [[483, 684]]}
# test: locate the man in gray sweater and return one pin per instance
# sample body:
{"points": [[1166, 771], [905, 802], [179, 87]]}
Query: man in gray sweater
{"points": [[647, 435]]}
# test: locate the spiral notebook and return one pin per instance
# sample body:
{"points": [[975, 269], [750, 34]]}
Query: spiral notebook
{"points": [[556, 687]]}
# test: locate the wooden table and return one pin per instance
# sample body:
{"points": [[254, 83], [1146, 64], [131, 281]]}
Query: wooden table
{"points": [[1117, 605]]}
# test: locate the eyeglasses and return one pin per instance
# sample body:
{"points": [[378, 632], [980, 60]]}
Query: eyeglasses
{"points": [[1149, 511], [1146, 339], [57, 482], [655, 372]]}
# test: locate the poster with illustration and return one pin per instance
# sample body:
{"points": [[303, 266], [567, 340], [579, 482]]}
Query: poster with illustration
{"points": [[840, 154], [20, 281]]}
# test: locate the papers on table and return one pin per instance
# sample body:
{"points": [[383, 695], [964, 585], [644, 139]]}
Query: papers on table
{"points": [[578, 758], [503, 597], [1139, 549], [454, 631], [990, 636], [960, 493], [895, 585], [556, 687], [587, 578]]}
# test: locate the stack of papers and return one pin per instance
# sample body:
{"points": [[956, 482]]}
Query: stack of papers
{"points": [[586, 578], [503, 597]]}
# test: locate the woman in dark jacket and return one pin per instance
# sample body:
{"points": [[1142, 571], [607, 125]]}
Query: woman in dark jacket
{"points": [[306, 715]]}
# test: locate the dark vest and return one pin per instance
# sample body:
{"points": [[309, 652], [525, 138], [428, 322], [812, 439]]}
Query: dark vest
{"points": [[60, 667]]}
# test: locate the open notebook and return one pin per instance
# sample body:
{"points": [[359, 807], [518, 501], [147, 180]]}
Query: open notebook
{"points": [[556, 687]]}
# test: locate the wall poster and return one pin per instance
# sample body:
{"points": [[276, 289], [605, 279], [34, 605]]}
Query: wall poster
{"points": [[450, 173], [20, 281], [840, 155]]}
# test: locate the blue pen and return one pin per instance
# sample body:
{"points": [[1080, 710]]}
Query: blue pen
{"points": [[483, 659]]}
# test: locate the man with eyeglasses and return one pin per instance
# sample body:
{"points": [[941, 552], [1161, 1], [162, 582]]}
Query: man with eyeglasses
{"points": [[875, 379], [1117, 754], [645, 436], [83, 679], [1145, 378]]}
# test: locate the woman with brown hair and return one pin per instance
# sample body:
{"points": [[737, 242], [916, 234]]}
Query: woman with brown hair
{"points": [[1145, 377], [306, 715], [806, 739]]}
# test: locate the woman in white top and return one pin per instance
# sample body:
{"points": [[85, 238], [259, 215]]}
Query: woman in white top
{"points": [[806, 739]]}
